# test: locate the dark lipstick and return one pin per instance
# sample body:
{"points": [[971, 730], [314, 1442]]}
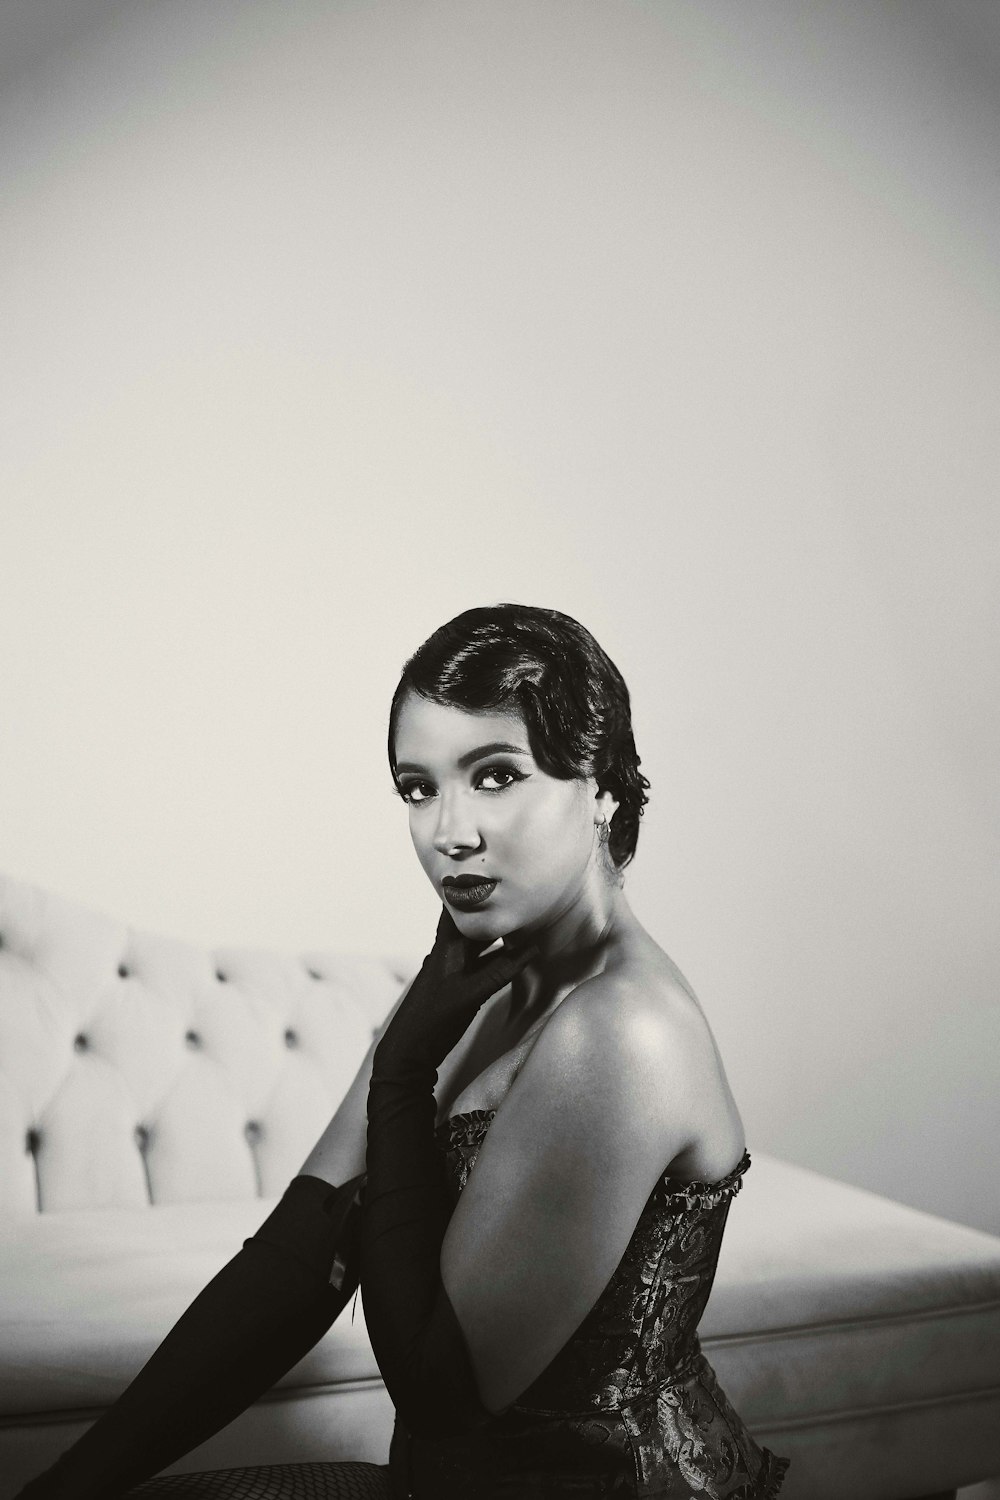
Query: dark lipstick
{"points": [[466, 892]]}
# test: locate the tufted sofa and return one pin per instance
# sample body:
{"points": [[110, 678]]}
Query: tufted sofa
{"points": [[154, 1100]]}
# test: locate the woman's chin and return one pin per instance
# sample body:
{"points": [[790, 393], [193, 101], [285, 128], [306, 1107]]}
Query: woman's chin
{"points": [[476, 920], [483, 926]]}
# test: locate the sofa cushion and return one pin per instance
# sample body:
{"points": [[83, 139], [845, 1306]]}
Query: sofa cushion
{"points": [[830, 1298], [85, 1297]]}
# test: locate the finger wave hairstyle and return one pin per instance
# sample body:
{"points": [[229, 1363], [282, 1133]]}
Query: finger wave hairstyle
{"points": [[546, 666]]}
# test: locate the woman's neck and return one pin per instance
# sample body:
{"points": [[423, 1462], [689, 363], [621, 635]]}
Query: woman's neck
{"points": [[572, 948]]}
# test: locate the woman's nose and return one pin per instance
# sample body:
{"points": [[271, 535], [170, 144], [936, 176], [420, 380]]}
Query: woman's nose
{"points": [[456, 830]]}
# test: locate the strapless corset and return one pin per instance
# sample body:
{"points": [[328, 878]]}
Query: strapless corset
{"points": [[641, 1332], [629, 1406]]}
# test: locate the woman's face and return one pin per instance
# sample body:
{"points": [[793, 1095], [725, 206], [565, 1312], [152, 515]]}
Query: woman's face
{"points": [[485, 817]]}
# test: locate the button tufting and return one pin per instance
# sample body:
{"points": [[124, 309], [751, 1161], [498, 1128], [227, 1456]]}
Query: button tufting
{"points": [[192, 1038], [142, 1136], [123, 971], [252, 1131], [33, 1140], [80, 1043], [222, 978], [291, 1038], [314, 974]]}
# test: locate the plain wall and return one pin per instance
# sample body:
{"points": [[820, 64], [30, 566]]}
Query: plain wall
{"points": [[322, 322]]}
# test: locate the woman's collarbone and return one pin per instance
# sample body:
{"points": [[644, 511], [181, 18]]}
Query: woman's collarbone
{"points": [[480, 1075]]}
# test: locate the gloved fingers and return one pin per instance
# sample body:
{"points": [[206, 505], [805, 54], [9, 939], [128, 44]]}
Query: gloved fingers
{"points": [[457, 954], [493, 970], [447, 934], [451, 951]]}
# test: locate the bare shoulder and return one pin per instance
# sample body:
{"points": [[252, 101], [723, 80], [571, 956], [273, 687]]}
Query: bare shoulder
{"points": [[640, 1032], [640, 1000]]}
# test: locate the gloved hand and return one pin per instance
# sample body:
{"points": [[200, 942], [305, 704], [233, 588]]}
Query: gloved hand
{"points": [[414, 1332], [454, 982], [263, 1311]]}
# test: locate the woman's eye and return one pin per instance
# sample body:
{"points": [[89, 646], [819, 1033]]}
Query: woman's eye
{"points": [[500, 776], [415, 792]]}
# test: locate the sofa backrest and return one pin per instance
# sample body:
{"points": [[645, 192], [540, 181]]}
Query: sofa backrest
{"points": [[136, 1069]]}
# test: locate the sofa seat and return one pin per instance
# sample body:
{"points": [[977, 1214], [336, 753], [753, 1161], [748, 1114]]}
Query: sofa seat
{"points": [[858, 1336], [86, 1296]]}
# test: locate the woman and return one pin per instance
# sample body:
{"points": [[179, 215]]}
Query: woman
{"points": [[534, 1320]]}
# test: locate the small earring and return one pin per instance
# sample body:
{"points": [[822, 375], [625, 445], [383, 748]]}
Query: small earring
{"points": [[603, 831]]}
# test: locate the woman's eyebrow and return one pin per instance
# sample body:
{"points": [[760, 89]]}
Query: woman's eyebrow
{"points": [[498, 747]]}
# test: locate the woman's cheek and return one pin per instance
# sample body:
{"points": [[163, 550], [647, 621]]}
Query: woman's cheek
{"points": [[551, 822], [422, 845]]}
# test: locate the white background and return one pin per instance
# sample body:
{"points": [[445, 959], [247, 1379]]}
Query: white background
{"points": [[321, 322]]}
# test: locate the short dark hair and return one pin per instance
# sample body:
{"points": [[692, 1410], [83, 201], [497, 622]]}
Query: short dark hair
{"points": [[572, 697]]}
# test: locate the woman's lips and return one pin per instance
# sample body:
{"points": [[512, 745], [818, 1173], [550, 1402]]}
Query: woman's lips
{"points": [[465, 894]]}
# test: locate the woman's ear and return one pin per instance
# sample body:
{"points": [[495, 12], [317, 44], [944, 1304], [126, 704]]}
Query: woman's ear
{"points": [[605, 806]]}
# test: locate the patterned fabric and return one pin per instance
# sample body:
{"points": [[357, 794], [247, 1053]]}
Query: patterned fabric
{"points": [[317, 1481], [629, 1406]]}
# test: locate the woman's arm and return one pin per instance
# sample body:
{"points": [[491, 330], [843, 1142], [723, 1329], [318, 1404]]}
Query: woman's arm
{"points": [[599, 1109], [406, 1206], [340, 1152]]}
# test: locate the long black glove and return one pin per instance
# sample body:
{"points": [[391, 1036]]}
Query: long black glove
{"points": [[414, 1332], [263, 1311]]}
